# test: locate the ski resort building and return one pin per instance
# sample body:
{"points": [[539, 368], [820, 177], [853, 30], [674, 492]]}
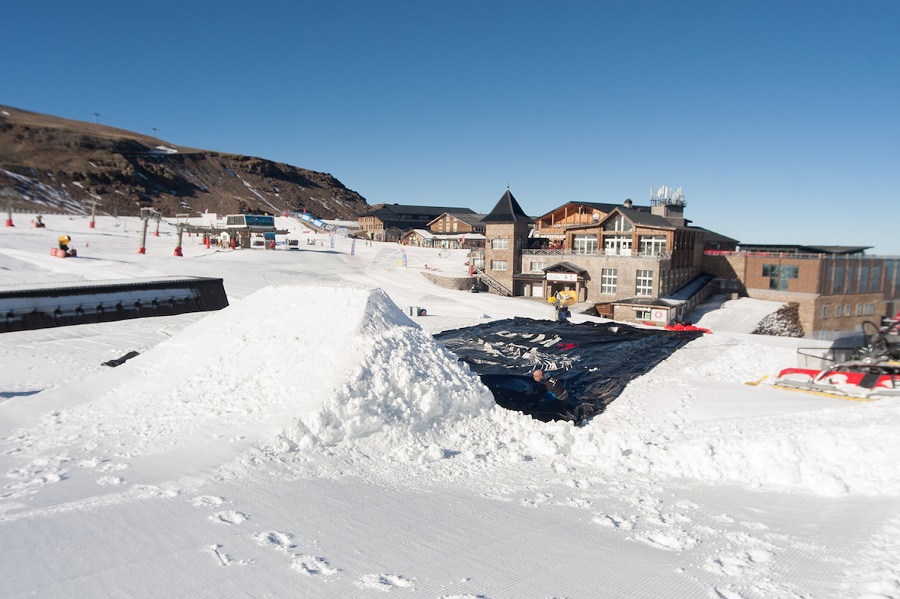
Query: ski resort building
{"points": [[646, 263], [389, 222], [837, 288], [633, 263]]}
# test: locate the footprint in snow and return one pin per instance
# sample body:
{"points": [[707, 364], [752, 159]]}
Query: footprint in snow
{"points": [[229, 517], [110, 481], [276, 540], [223, 558], [613, 521], [207, 501], [312, 565], [113, 466], [671, 540], [383, 582]]}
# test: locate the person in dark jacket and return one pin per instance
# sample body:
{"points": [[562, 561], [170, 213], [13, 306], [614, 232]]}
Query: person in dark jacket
{"points": [[554, 389]]}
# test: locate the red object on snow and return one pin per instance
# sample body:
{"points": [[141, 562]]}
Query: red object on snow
{"points": [[838, 377], [686, 327]]}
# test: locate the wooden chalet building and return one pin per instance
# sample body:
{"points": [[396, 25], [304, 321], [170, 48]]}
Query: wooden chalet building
{"points": [[429, 239], [553, 225], [389, 222], [452, 222]]}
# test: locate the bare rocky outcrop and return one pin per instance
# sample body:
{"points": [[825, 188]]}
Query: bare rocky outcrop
{"points": [[785, 322]]}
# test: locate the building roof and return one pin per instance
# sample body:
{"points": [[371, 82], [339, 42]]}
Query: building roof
{"points": [[404, 218], [565, 266], [427, 234], [637, 217], [471, 219], [805, 249], [691, 288], [424, 233], [641, 301], [712, 236], [603, 207], [645, 219], [399, 211], [507, 210]]}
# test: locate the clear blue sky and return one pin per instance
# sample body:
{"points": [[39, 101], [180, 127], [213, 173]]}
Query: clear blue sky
{"points": [[780, 119]]}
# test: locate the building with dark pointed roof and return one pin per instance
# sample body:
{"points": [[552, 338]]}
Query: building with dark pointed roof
{"points": [[507, 210], [506, 232]]}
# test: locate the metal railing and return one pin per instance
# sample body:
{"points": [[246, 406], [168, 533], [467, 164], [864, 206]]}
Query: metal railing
{"points": [[595, 253], [493, 284], [859, 256]]}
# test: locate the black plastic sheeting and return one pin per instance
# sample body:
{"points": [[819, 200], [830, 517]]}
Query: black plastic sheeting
{"points": [[592, 361]]}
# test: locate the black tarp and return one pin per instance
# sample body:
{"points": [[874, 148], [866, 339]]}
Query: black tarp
{"points": [[592, 361]]}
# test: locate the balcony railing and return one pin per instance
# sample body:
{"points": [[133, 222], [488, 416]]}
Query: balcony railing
{"points": [[596, 253], [790, 255]]}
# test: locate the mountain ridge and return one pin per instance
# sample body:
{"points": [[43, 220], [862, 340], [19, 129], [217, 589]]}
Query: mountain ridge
{"points": [[50, 163]]}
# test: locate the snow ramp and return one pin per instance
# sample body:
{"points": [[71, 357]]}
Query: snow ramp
{"points": [[287, 367]]}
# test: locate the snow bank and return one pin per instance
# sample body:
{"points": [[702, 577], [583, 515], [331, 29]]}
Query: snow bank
{"points": [[851, 448], [399, 378], [292, 366], [303, 368]]}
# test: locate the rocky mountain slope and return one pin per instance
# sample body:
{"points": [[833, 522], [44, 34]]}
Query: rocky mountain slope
{"points": [[54, 164]]}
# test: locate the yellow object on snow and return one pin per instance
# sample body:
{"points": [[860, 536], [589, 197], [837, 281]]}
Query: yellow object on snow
{"points": [[565, 298]]}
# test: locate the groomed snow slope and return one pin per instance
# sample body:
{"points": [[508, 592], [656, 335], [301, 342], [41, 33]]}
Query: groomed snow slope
{"points": [[313, 440]]}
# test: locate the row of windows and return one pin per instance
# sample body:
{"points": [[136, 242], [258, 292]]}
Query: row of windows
{"points": [[609, 282], [845, 310], [620, 244], [840, 279], [860, 279], [448, 220]]}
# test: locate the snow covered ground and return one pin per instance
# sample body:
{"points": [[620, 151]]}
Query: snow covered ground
{"points": [[313, 440]]}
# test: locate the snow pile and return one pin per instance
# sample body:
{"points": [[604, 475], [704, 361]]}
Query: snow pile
{"points": [[400, 378], [293, 366], [848, 449]]}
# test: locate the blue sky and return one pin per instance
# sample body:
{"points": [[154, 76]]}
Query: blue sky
{"points": [[779, 120]]}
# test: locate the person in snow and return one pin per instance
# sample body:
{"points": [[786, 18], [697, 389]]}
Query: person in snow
{"points": [[558, 300], [64, 242], [552, 387], [563, 314]]}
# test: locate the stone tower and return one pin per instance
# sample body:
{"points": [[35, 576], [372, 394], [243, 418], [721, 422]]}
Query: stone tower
{"points": [[506, 232]]}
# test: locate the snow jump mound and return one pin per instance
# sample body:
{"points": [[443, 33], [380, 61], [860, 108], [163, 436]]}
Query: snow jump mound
{"points": [[287, 367]]}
